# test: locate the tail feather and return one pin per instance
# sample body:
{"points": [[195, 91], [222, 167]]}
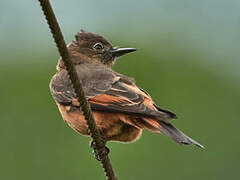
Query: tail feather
{"points": [[177, 135]]}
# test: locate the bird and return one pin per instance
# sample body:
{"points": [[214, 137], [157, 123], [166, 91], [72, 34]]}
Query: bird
{"points": [[121, 109]]}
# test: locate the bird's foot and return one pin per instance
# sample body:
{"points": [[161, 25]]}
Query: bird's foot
{"points": [[99, 153]]}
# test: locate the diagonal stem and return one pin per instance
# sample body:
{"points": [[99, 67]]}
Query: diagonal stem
{"points": [[84, 105]]}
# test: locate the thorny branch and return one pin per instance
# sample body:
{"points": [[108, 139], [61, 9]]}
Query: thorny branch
{"points": [[84, 105]]}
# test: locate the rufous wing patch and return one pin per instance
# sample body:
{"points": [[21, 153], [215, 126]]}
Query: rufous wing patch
{"points": [[147, 100], [104, 99]]}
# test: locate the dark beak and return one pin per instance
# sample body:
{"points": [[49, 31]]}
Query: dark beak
{"points": [[117, 52]]}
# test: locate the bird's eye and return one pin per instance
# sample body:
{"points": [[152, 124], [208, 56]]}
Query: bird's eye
{"points": [[98, 46]]}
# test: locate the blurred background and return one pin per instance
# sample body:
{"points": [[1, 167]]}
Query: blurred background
{"points": [[187, 59]]}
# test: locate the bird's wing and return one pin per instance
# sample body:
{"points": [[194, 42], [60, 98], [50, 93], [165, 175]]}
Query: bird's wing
{"points": [[129, 99], [117, 95]]}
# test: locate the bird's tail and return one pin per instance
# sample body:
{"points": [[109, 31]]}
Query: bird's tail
{"points": [[177, 135]]}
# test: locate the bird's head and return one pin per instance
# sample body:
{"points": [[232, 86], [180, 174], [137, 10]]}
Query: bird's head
{"points": [[97, 48]]}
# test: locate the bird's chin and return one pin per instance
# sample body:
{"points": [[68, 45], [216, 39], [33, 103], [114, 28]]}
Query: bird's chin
{"points": [[109, 62], [107, 58]]}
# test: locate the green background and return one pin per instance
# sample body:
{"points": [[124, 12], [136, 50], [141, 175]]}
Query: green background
{"points": [[187, 59]]}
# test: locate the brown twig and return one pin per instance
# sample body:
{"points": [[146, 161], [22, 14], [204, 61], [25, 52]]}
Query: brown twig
{"points": [[84, 105]]}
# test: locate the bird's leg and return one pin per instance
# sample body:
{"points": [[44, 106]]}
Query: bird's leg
{"points": [[99, 153]]}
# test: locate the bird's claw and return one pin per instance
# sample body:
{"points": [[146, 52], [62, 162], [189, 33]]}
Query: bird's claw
{"points": [[99, 153]]}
